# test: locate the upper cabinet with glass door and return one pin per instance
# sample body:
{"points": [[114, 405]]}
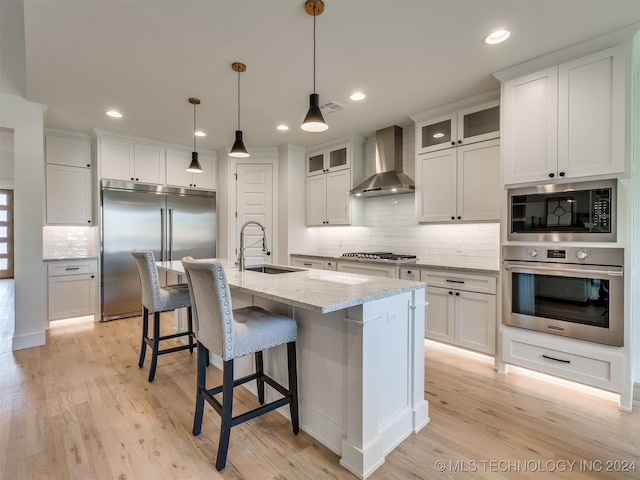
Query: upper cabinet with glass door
{"points": [[469, 125], [329, 159]]}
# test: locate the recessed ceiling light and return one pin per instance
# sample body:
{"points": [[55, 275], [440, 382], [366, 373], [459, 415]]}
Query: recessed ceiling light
{"points": [[497, 37], [357, 96], [282, 127], [438, 135], [114, 114], [200, 133]]}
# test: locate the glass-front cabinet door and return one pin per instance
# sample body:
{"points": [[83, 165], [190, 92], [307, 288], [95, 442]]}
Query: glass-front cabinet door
{"points": [[315, 163], [437, 134], [479, 123], [471, 125], [329, 159]]}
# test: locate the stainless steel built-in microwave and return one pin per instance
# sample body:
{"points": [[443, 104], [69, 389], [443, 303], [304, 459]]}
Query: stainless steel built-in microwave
{"points": [[584, 212]]}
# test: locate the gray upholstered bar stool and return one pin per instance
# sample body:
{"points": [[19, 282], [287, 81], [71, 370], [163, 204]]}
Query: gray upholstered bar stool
{"points": [[157, 299], [232, 334]]}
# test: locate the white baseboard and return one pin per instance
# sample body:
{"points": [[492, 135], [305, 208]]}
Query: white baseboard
{"points": [[28, 341]]}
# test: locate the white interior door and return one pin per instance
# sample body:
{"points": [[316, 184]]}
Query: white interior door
{"points": [[254, 201]]}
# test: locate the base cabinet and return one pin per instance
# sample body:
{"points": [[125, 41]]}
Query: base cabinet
{"points": [[313, 262], [596, 365], [385, 271], [461, 310], [72, 289]]}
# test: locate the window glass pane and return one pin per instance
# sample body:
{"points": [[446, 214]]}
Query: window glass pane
{"points": [[3, 248], [4, 215], [316, 163], [338, 158], [3, 198], [3, 263], [3, 232]]}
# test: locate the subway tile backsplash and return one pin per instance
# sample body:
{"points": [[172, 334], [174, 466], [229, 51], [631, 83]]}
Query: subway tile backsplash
{"points": [[68, 242], [391, 226]]}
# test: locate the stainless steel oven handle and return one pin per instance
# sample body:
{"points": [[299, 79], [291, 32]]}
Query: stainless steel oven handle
{"points": [[611, 273]]}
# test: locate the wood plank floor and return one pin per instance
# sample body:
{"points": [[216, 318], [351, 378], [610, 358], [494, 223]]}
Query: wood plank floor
{"points": [[80, 408]]}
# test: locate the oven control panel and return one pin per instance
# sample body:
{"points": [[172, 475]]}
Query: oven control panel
{"points": [[566, 254]]}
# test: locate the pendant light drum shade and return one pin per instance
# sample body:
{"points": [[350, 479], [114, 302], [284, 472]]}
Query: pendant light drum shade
{"points": [[238, 150], [314, 121], [194, 166]]}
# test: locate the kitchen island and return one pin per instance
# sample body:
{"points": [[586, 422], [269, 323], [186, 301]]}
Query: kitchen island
{"points": [[360, 355]]}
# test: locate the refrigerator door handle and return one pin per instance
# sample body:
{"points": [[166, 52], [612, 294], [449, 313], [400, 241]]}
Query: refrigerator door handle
{"points": [[162, 239], [171, 234]]}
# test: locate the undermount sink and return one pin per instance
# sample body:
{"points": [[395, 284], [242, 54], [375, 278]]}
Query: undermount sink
{"points": [[271, 269]]}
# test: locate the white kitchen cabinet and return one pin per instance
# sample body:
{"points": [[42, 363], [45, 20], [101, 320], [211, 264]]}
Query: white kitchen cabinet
{"points": [[459, 184], [473, 124], [177, 175], [123, 159], [72, 288], [327, 199], [313, 262], [566, 121], [68, 195], [68, 179], [72, 151], [330, 159], [461, 309], [589, 363], [372, 269]]}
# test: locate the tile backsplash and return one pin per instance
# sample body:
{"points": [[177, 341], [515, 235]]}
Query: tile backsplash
{"points": [[391, 226], [68, 242]]}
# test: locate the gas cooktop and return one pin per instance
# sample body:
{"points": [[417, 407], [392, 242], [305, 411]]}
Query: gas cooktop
{"points": [[379, 256]]}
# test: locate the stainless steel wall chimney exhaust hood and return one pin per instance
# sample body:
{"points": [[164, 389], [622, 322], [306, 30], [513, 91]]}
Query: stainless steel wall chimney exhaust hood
{"points": [[389, 178]]}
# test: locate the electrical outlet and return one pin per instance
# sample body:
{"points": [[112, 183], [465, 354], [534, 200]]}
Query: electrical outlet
{"points": [[458, 246]]}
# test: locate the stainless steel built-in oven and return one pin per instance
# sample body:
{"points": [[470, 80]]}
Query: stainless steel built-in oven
{"points": [[584, 211], [570, 291]]}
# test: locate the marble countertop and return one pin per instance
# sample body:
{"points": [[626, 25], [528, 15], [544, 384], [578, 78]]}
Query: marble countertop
{"points": [[317, 290], [417, 263], [56, 259]]}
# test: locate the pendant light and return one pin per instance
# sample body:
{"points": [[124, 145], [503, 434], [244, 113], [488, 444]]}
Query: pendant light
{"points": [[194, 166], [238, 149], [314, 121]]}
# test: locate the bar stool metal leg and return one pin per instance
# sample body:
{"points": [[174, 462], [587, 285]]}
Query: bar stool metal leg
{"points": [[145, 334], [156, 345], [203, 356], [227, 414], [260, 377], [293, 386]]}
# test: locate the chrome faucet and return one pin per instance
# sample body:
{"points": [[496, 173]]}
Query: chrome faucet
{"points": [[240, 260]]}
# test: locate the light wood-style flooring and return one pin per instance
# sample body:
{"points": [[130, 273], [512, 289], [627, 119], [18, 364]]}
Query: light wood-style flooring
{"points": [[80, 408]]}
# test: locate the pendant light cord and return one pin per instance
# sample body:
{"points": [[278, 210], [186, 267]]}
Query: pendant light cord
{"points": [[314, 48], [238, 100], [194, 127]]}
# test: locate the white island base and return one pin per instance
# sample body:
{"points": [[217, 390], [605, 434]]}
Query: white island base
{"points": [[360, 375], [360, 358]]}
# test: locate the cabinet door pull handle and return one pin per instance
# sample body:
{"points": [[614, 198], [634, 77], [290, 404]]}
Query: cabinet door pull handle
{"points": [[72, 268], [457, 294], [551, 175], [455, 281], [562, 174], [555, 359], [450, 293], [306, 264], [93, 276]]}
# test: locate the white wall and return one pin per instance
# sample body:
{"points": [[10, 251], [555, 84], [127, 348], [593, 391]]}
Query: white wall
{"points": [[635, 209], [26, 119]]}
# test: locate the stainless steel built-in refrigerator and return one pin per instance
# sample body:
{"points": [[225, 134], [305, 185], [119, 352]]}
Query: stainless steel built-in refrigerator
{"points": [[172, 222]]}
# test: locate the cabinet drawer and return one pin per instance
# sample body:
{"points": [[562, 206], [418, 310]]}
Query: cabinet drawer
{"points": [[410, 274], [71, 268], [588, 364], [308, 263], [459, 281]]}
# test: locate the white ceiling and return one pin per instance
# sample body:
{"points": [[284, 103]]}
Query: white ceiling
{"points": [[146, 58]]}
